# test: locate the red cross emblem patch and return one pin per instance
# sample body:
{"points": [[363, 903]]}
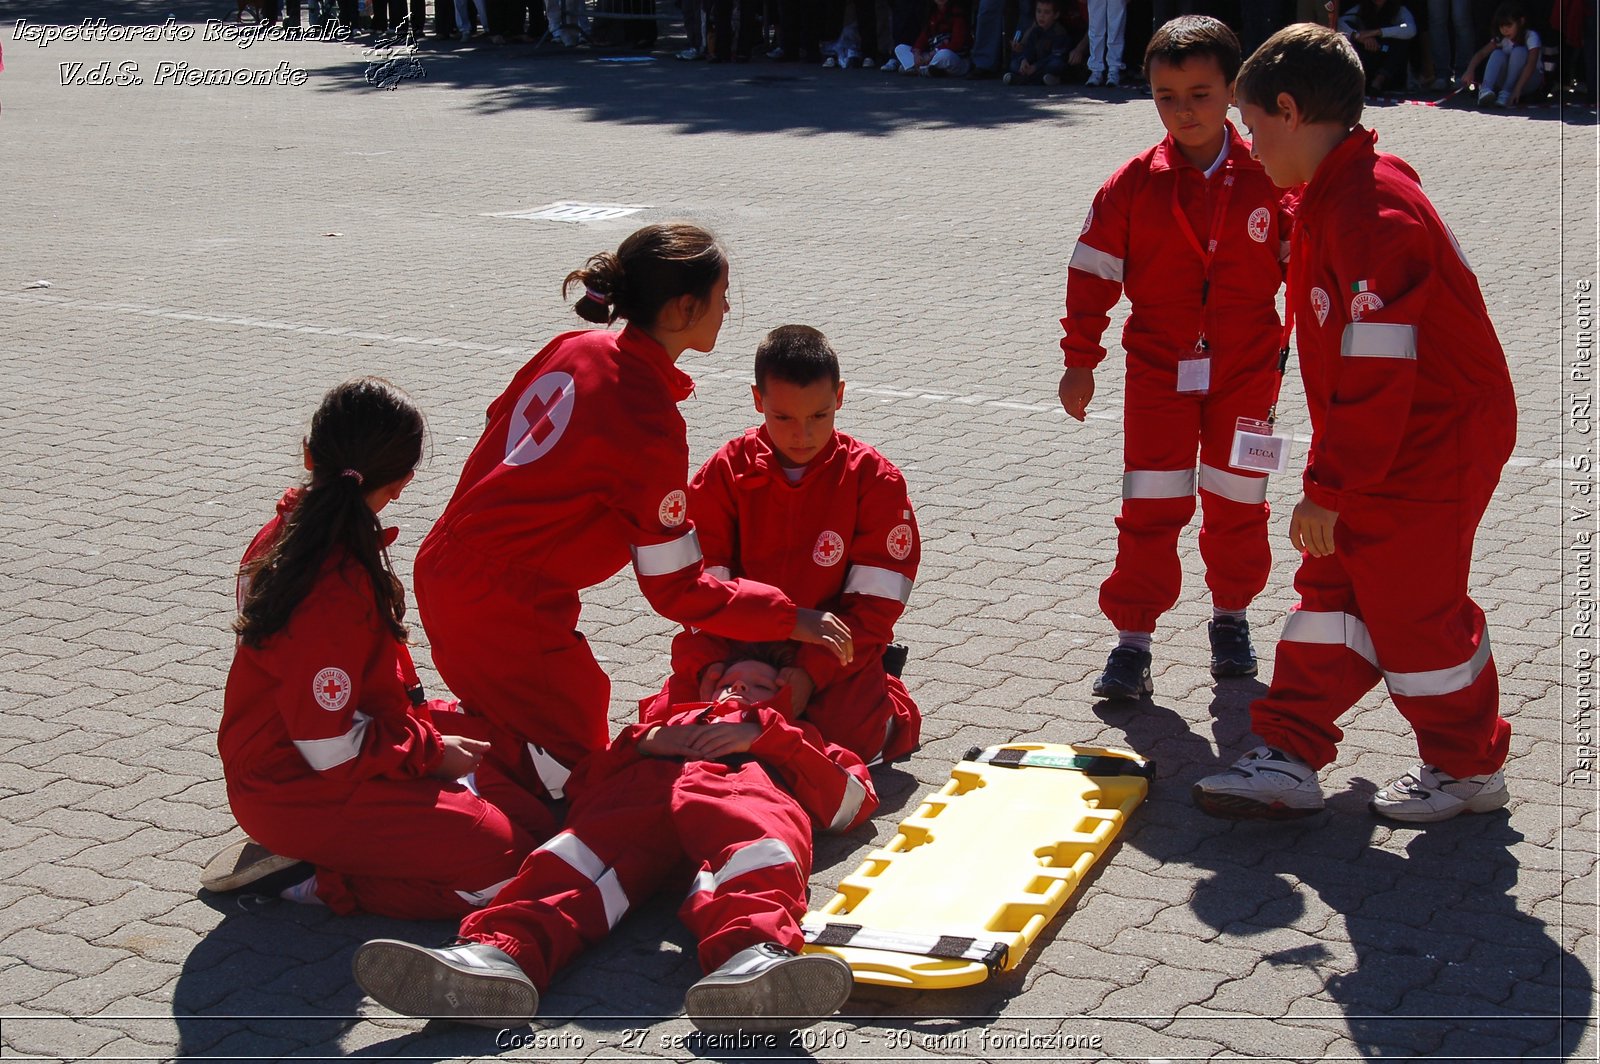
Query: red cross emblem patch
{"points": [[1260, 222], [829, 549], [331, 689], [542, 413], [899, 542], [674, 508]]}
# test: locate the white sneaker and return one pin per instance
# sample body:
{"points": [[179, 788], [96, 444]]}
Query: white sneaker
{"points": [[1486, 97], [1425, 795], [831, 63], [689, 55], [1052, 80], [1265, 784], [1504, 99], [1095, 80], [867, 62], [890, 65]]}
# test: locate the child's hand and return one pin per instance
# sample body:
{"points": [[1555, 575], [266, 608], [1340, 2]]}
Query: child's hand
{"points": [[1311, 528], [699, 742], [1077, 388], [800, 686], [824, 629], [1026, 68], [709, 679], [1016, 44], [461, 756]]}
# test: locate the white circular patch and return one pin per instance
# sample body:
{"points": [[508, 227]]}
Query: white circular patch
{"points": [[1320, 304], [541, 416], [899, 543], [829, 549], [1088, 220], [1363, 303], [331, 689], [674, 508], [1260, 222]]}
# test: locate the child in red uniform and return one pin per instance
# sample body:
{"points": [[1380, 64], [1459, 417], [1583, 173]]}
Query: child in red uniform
{"points": [[1412, 419], [727, 791], [332, 755], [805, 508], [583, 463], [1194, 231]]}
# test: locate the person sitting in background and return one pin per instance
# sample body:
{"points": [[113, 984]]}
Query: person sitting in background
{"points": [[1381, 31]]}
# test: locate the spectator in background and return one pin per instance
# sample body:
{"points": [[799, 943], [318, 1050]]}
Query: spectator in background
{"points": [[1042, 53], [1380, 30], [941, 49], [724, 47], [1107, 21], [694, 27], [1449, 26], [1512, 60]]}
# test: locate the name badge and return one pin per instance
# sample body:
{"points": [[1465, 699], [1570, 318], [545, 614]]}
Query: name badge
{"points": [[1194, 376], [1257, 448]]}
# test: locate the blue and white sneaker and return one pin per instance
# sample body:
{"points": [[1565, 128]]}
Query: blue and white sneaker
{"points": [[1265, 784], [1426, 795]]}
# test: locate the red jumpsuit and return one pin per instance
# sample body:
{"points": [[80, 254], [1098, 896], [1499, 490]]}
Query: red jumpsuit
{"points": [[582, 463], [843, 538], [326, 755], [736, 833], [1412, 418], [1138, 237]]}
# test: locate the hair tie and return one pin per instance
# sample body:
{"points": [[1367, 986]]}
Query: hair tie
{"points": [[598, 296], [355, 476]]}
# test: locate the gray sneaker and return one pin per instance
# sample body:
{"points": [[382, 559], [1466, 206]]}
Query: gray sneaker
{"points": [[1265, 784], [768, 988], [1425, 795], [248, 865], [469, 983]]}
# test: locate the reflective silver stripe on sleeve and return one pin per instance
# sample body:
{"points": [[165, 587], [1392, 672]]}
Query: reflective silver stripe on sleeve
{"points": [[849, 804], [1441, 681], [1248, 490], [763, 853], [721, 572], [576, 853], [1370, 339], [1093, 260], [883, 583], [552, 773], [479, 898], [1331, 629], [1158, 483], [659, 559], [323, 754]]}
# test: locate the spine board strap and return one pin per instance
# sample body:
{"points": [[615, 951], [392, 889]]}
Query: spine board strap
{"points": [[1088, 764], [991, 953]]}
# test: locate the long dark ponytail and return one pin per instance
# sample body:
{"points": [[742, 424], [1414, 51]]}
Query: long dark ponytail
{"points": [[367, 434]]}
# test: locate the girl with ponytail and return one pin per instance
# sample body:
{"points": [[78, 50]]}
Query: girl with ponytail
{"points": [[583, 466], [338, 768]]}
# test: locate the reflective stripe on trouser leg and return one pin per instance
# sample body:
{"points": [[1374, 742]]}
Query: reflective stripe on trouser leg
{"points": [[1146, 579], [758, 895], [1233, 536]]}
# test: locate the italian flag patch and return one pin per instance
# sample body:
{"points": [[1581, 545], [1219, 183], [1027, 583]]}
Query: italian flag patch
{"points": [[1361, 286]]}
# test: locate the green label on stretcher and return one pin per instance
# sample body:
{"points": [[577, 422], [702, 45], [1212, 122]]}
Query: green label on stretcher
{"points": [[1089, 764]]}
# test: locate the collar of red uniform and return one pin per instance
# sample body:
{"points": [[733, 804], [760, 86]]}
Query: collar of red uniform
{"points": [[1358, 144], [1168, 156], [291, 499], [635, 341], [767, 455]]}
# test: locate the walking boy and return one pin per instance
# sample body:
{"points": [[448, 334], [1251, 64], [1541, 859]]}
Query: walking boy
{"points": [[1194, 230], [1412, 419], [729, 791], [825, 517]]}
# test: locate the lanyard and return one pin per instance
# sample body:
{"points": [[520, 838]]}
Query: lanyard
{"points": [[1290, 294], [1207, 253]]}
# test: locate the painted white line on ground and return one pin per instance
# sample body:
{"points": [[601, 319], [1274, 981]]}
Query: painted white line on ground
{"points": [[698, 371]]}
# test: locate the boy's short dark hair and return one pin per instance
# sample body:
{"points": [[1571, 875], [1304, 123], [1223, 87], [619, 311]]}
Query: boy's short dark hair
{"points": [[1317, 67], [1191, 36], [780, 655], [1053, 3], [1508, 13], [797, 355]]}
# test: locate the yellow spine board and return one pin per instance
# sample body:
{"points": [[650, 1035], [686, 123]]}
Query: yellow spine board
{"points": [[993, 856]]}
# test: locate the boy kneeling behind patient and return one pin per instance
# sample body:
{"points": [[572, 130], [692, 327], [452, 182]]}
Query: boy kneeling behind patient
{"points": [[732, 788]]}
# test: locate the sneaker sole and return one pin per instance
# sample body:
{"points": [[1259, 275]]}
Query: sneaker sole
{"points": [[1122, 694], [1223, 670], [793, 995], [1482, 803], [413, 981], [238, 866], [1235, 807]]}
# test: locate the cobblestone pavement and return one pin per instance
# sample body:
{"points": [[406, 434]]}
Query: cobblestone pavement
{"points": [[217, 257]]}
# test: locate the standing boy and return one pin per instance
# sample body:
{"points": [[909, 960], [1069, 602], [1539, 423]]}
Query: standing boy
{"points": [[1194, 230], [827, 519], [1412, 419]]}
